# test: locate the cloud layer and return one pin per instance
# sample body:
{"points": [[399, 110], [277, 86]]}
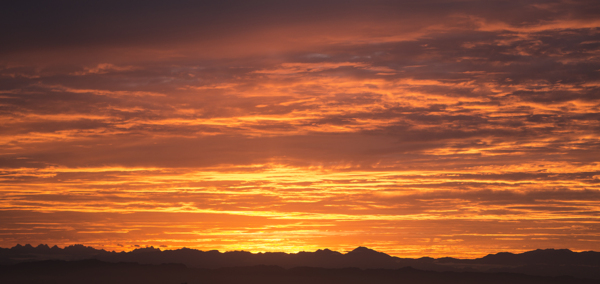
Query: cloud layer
{"points": [[442, 128]]}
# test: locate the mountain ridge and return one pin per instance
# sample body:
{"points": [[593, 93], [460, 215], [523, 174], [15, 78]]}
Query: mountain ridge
{"points": [[544, 262]]}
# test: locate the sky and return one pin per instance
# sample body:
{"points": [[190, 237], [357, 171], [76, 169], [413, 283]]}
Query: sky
{"points": [[416, 128]]}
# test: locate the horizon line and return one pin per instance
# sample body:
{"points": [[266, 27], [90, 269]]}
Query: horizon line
{"points": [[288, 253]]}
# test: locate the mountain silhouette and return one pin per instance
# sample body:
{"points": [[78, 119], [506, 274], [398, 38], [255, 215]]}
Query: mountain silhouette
{"points": [[547, 256], [548, 262]]}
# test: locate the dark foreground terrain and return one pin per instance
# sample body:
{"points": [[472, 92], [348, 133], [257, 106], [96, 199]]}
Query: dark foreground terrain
{"points": [[95, 271]]}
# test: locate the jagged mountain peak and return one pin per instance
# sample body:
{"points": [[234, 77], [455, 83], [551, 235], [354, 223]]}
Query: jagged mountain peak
{"points": [[326, 251], [363, 250], [146, 249]]}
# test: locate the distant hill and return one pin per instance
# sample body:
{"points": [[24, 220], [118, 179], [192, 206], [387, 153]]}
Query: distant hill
{"points": [[548, 262], [95, 271]]}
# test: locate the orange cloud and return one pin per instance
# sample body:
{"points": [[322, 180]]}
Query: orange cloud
{"points": [[415, 129]]}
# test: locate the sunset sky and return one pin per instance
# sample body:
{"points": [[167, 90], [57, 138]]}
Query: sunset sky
{"points": [[416, 128]]}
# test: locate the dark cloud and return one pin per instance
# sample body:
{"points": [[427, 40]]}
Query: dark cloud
{"points": [[34, 25]]}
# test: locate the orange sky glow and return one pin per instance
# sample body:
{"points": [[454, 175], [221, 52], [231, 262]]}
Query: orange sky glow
{"points": [[438, 128]]}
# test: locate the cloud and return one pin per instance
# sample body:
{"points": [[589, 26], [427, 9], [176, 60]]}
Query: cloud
{"points": [[103, 68], [463, 126]]}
